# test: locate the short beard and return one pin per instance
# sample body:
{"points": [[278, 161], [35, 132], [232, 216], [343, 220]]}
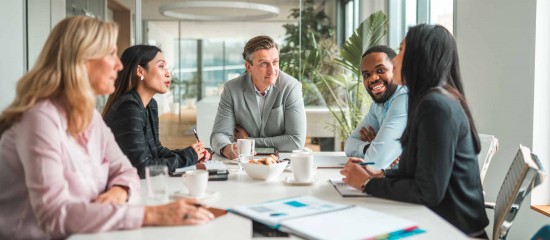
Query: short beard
{"points": [[390, 89]]}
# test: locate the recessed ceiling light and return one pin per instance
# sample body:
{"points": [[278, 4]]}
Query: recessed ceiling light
{"points": [[219, 10]]}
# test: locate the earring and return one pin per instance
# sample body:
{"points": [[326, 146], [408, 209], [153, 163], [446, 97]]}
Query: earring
{"points": [[141, 78]]}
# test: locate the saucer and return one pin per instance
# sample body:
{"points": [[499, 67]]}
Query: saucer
{"points": [[231, 161], [291, 181], [205, 196]]}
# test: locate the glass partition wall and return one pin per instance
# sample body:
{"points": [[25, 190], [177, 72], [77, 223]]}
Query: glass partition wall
{"points": [[204, 54], [203, 45]]}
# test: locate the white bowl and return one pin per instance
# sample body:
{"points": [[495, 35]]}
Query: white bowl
{"points": [[264, 172]]}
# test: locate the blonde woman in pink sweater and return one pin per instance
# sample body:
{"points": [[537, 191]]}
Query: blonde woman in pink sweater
{"points": [[61, 171]]}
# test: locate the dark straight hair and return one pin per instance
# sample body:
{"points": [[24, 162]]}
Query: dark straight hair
{"points": [[127, 79], [431, 64]]}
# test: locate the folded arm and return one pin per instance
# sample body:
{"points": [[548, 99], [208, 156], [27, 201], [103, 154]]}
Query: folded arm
{"points": [[224, 124], [386, 147], [354, 146], [295, 124]]}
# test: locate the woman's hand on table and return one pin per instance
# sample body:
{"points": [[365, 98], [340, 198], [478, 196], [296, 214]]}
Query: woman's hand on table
{"points": [[355, 175], [116, 195], [180, 212]]}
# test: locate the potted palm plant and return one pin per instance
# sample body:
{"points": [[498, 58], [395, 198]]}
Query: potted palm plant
{"points": [[328, 79], [310, 51], [348, 107]]}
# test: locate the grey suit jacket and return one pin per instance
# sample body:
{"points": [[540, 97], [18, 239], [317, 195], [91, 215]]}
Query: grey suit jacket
{"points": [[283, 121]]}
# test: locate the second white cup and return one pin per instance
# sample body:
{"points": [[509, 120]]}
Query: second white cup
{"points": [[302, 166], [245, 149], [196, 182]]}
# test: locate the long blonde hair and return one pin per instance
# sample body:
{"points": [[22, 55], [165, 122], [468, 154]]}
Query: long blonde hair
{"points": [[60, 72]]}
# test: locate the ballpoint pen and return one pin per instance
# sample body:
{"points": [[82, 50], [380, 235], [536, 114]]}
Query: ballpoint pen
{"points": [[198, 140], [198, 205], [196, 136], [366, 163], [361, 163]]}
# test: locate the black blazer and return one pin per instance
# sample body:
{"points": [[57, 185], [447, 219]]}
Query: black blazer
{"points": [[136, 131], [439, 166]]}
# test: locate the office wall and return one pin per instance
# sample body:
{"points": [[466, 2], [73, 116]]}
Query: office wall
{"points": [[541, 123], [42, 17], [496, 44], [12, 40]]}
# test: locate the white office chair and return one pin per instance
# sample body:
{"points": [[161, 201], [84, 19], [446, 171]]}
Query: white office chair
{"points": [[524, 173], [489, 146]]}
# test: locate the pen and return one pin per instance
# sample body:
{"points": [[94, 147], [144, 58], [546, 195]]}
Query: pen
{"points": [[196, 136], [361, 163], [198, 140], [197, 205], [366, 163]]}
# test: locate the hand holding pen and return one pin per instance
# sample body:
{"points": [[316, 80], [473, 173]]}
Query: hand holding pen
{"points": [[360, 163], [205, 154]]}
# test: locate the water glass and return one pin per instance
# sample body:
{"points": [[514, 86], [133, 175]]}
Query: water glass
{"points": [[156, 177]]}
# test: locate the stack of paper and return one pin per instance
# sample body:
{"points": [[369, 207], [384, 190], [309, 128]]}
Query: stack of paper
{"points": [[272, 213], [313, 218], [346, 190], [350, 223], [209, 165]]}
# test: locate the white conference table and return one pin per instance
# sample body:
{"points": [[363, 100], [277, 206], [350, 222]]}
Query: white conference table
{"points": [[242, 190]]}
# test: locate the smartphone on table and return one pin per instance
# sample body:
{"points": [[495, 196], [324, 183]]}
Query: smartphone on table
{"points": [[266, 151]]}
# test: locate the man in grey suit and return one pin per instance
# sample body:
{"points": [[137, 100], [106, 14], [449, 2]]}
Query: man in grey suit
{"points": [[263, 104]]}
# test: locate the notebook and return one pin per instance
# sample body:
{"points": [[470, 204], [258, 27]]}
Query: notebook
{"points": [[346, 190], [329, 161], [312, 218], [351, 223], [208, 165]]}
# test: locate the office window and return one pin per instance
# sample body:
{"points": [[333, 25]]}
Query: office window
{"points": [[442, 13], [407, 16]]}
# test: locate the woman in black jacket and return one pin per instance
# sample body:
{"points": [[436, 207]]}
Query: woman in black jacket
{"points": [[132, 113], [439, 166]]}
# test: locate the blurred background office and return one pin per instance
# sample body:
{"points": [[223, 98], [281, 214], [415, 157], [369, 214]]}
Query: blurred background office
{"points": [[505, 60]]}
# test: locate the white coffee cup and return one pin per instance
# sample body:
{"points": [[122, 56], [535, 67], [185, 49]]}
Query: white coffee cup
{"points": [[245, 149], [195, 181], [302, 165]]}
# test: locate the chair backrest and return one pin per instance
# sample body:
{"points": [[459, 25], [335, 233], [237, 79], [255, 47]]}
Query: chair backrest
{"points": [[489, 146], [524, 173]]}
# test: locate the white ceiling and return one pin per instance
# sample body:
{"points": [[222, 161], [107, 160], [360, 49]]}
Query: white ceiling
{"points": [[150, 8]]}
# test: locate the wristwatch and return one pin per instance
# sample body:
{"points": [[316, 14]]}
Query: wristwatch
{"points": [[389, 172], [365, 184]]}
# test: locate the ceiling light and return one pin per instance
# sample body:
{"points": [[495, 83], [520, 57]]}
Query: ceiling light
{"points": [[219, 10]]}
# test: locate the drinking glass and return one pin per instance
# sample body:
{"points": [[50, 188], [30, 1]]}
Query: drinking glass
{"points": [[156, 177], [245, 151]]}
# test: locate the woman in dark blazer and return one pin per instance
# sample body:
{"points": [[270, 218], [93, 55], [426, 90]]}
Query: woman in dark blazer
{"points": [[132, 113], [438, 166]]}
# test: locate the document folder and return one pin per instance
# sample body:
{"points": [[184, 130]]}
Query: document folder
{"points": [[312, 218]]}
